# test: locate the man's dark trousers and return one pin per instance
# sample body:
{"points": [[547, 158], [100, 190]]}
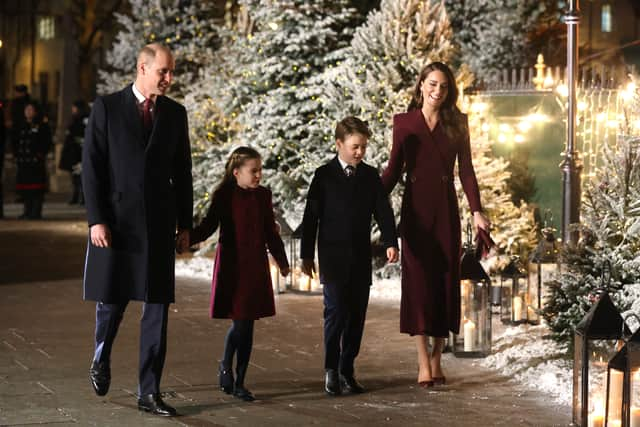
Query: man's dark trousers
{"points": [[153, 340]]}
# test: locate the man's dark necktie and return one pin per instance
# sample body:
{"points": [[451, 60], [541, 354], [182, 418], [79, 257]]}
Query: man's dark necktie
{"points": [[147, 120]]}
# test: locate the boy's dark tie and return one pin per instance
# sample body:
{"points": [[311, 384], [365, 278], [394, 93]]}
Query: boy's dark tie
{"points": [[349, 170]]}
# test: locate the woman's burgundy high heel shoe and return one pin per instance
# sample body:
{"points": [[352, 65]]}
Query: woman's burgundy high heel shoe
{"points": [[439, 380]]}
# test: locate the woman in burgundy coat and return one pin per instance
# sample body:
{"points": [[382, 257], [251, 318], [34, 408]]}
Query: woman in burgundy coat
{"points": [[241, 289], [426, 142]]}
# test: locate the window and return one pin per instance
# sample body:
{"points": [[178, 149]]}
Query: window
{"points": [[46, 28], [606, 18]]}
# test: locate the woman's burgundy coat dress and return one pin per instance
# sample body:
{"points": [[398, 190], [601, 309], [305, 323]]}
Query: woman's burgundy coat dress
{"points": [[430, 222]]}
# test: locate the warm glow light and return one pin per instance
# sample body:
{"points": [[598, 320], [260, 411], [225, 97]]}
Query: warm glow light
{"points": [[479, 107], [537, 117], [548, 81], [486, 127], [582, 105], [601, 117], [629, 91], [613, 124], [518, 138], [524, 126], [502, 138], [273, 26], [0, 44], [504, 127], [562, 90]]}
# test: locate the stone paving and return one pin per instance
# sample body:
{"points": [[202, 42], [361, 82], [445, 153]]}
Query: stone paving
{"points": [[46, 333]]}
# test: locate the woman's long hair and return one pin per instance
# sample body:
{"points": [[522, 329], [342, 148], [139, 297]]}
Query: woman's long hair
{"points": [[236, 159], [451, 117]]}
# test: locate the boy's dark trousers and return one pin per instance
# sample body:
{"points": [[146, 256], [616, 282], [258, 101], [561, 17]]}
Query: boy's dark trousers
{"points": [[345, 309]]}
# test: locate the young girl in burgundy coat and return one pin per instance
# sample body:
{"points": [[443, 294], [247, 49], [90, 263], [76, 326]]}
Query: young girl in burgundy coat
{"points": [[241, 288]]}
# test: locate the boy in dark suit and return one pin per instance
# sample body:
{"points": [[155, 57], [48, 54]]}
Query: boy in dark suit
{"points": [[344, 194]]}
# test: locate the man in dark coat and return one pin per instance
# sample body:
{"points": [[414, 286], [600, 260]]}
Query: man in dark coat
{"points": [[138, 189], [18, 104], [344, 195]]}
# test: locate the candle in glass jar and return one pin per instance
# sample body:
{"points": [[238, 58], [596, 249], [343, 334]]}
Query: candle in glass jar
{"points": [[517, 309], [635, 417], [469, 333], [596, 420]]}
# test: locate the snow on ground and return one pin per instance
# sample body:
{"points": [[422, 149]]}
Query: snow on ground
{"points": [[519, 352]]}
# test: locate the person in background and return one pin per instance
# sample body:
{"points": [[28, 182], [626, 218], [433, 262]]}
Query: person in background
{"points": [[71, 157], [30, 151]]}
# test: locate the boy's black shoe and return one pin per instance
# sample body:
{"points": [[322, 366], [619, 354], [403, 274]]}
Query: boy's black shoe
{"points": [[332, 383], [350, 384]]}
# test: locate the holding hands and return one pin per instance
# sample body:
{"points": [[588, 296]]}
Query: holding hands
{"points": [[481, 221], [182, 241], [393, 254]]}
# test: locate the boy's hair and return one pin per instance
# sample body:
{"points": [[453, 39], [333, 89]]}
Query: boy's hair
{"points": [[350, 125]]}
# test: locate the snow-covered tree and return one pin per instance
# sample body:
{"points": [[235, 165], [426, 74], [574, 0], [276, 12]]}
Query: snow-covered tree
{"points": [[271, 64], [494, 34], [185, 26], [610, 232]]}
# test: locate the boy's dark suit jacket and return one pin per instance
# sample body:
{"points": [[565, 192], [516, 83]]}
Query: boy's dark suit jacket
{"points": [[338, 212]]}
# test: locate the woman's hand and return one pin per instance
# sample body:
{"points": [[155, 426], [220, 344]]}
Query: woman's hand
{"points": [[481, 221]]}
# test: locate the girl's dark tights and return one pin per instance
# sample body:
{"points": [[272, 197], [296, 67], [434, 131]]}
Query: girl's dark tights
{"points": [[239, 341]]}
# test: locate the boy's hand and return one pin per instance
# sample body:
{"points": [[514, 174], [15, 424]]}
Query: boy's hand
{"points": [[182, 241], [308, 267], [285, 271], [392, 254]]}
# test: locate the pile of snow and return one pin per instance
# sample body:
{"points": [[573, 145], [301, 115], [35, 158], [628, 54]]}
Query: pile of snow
{"points": [[521, 353]]}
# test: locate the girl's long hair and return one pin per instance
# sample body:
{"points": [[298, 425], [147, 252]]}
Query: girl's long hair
{"points": [[236, 159], [451, 117]]}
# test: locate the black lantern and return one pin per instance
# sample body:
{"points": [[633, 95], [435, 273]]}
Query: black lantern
{"points": [[543, 267], [622, 393], [595, 340], [514, 293], [474, 339]]}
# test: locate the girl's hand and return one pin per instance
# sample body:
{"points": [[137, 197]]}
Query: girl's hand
{"points": [[285, 271], [481, 221]]}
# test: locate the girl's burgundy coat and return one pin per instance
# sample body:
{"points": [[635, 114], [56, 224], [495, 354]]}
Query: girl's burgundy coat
{"points": [[430, 222], [241, 287]]}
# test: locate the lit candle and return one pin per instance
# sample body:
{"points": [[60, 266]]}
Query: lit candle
{"points": [[615, 393], [469, 332], [517, 309], [305, 282], [635, 416], [596, 420]]}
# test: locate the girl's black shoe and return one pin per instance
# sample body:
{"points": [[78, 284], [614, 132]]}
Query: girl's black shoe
{"points": [[226, 379], [243, 394]]}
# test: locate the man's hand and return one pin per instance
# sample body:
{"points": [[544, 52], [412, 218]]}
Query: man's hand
{"points": [[100, 236], [308, 267], [393, 254], [182, 241]]}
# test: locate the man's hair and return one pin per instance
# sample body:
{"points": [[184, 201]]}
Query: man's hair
{"points": [[350, 125], [148, 53]]}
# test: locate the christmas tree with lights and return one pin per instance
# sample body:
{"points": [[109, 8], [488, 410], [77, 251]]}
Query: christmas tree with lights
{"points": [[270, 91], [494, 34], [609, 229], [187, 27]]}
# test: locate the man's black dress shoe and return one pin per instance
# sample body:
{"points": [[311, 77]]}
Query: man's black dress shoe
{"points": [[350, 384], [243, 394], [226, 379], [100, 375], [332, 383], [154, 404]]}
